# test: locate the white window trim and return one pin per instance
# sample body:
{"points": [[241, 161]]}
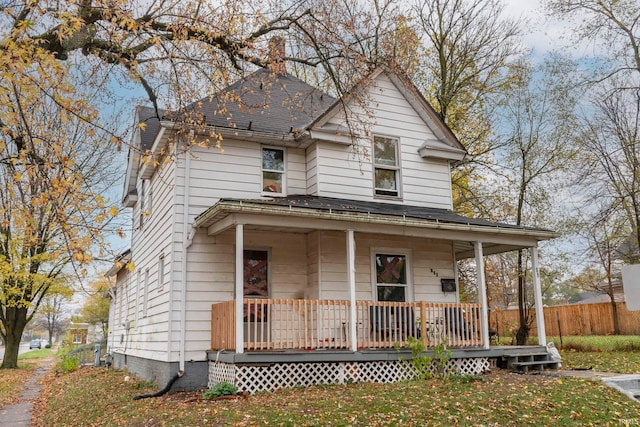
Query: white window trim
{"points": [[149, 203], [283, 172], [145, 297], [397, 168], [142, 204], [269, 268], [409, 293], [136, 306], [161, 272]]}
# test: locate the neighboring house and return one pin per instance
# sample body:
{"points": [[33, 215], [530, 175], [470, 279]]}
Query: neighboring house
{"points": [[602, 293], [295, 254], [78, 332]]}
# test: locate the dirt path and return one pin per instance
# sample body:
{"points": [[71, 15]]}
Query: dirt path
{"points": [[19, 414]]}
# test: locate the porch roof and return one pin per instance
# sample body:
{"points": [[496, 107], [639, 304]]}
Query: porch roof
{"points": [[313, 212]]}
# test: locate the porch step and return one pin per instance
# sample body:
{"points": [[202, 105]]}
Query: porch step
{"points": [[534, 361]]}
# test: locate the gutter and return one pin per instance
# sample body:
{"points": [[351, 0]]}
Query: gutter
{"points": [[222, 209], [249, 135]]}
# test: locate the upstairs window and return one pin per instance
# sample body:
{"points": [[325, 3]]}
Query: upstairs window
{"points": [[273, 170], [145, 201], [386, 166], [142, 203]]}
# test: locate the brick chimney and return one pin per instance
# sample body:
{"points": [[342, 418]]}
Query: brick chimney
{"points": [[276, 55]]}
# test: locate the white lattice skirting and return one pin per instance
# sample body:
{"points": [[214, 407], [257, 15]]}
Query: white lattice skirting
{"points": [[253, 379]]}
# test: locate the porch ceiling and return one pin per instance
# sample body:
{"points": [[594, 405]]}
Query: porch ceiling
{"points": [[303, 214]]}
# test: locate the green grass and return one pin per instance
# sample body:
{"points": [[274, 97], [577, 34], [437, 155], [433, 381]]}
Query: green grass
{"points": [[99, 397], [623, 362], [588, 343], [35, 354], [595, 343]]}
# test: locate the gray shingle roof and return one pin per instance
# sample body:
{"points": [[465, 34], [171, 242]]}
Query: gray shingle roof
{"points": [[265, 102], [148, 116], [378, 208]]}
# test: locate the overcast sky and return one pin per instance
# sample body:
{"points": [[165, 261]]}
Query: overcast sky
{"points": [[543, 33]]}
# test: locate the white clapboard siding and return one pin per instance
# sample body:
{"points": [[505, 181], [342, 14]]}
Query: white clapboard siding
{"points": [[235, 171], [312, 170], [296, 171], [211, 275], [313, 266], [148, 335], [345, 175], [427, 258]]}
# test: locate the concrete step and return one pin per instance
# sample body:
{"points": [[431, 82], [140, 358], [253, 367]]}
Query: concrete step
{"points": [[539, 365], [523, 362]]}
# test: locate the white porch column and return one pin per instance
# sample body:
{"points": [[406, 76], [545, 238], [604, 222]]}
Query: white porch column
{"points": [[537, 293], [239, 291], [482, 295], [351, 273]]}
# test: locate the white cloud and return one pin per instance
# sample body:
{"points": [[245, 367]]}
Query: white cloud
{"points": [[542, 34]]}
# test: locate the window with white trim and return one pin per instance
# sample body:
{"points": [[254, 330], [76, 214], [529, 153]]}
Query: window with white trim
{"points": [[145, 296], [139, 290], [386, 166], [142, 201], [145, 201], [392, 282], [160, 272], [273, 170]]}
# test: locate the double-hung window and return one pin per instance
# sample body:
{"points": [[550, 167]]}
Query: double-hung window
{"points": [[391, 277], [273, 170], [386, 166]]}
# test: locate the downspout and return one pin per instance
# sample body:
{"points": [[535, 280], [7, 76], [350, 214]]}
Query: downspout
{"points": [[187, 239]]}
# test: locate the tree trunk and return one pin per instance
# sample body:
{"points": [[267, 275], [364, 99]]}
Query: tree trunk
{"points": [[523, 329], [51, 327], [614, 307], [15, 322], [616, 321]]}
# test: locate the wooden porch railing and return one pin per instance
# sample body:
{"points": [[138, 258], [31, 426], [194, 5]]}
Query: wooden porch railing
{"points": [[278, 324]]}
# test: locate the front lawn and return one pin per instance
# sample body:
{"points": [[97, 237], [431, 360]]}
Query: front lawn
{"points": [[596, 343], [623, 362], [35, 354], [92, 396]]}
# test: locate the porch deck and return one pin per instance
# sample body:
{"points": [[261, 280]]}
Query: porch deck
{"points": [[278, 325], [364, 355]]}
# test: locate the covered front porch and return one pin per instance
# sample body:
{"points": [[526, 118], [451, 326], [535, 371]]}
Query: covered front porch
{"points": [[376, 279], [309, 325]]}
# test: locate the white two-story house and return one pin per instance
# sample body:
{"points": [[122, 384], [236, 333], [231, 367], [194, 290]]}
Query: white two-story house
{"points": [[317, 237]]}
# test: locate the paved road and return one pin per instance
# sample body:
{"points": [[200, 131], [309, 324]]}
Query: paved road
{"points": [[24, 347]]}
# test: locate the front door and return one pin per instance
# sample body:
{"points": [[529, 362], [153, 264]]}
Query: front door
{"points": [[256, 286]]}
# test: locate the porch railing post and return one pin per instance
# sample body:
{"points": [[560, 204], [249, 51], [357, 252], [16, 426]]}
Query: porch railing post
{"points": [[239, 291], [351, 267], [482, 295], [537, 293], [423, 321]]}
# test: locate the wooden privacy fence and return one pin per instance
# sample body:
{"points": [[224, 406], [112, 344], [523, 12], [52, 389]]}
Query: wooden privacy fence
{"points": [[577, 319]]}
